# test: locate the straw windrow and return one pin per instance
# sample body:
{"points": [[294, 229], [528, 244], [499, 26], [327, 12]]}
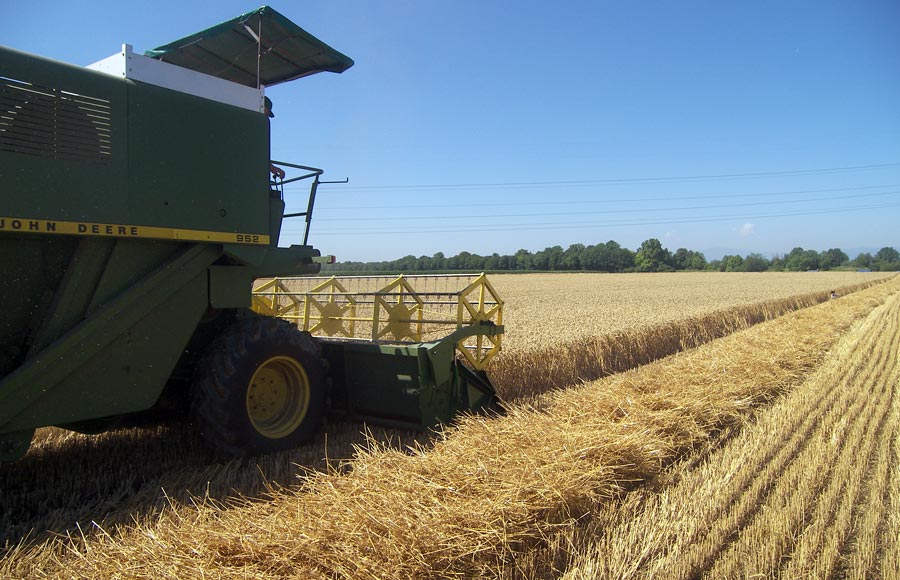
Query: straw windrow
{"points": [[522, 374], [490, 489], [621, 321], [805, 491]]}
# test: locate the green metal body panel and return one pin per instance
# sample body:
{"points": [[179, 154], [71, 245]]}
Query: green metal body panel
{"points": [[41, 183], [118, 237], [157, 158], [115, 360], [196, 164], [418, 386], [106, 339]]}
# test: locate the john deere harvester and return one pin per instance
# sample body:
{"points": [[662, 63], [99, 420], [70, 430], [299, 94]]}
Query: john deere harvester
{"points": [[138, 208]]}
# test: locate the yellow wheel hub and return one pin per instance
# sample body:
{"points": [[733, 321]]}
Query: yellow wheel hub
{"points": [[278, 397]]}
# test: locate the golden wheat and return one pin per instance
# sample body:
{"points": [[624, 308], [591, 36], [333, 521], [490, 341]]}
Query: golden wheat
{"points": [[798, 494], [890, 532], [617, 322], [126, 471], [541, 310], [489, 490]]}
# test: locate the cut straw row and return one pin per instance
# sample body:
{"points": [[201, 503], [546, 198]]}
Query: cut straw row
{"points": [[490, 489], [523, 374], [798, 494]]}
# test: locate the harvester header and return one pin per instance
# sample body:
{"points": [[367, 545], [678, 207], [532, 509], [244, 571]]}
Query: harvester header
{"points": [[391, 309], [427, 340]]}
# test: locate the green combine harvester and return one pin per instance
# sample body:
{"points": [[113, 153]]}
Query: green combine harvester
{"points": [[140, 206]]}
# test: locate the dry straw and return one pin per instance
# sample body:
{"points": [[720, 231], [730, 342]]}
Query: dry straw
{"points": [[609, 322], [542, 310], [803, 492], [489, 490], [523, 374]]}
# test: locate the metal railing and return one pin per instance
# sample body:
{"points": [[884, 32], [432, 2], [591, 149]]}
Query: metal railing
{"points": [[313, 172]]}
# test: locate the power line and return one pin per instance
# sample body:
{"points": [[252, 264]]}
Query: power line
{"points": [[608, 223], [605, 201], [609, 211], [519, 184]]}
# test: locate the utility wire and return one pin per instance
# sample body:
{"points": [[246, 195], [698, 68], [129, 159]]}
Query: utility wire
{"points": [[608, 223], [608, 211], [602, 201], [526, 184]]}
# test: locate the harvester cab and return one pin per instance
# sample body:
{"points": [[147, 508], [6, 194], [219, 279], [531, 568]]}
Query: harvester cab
{"points": [[138, 207]]}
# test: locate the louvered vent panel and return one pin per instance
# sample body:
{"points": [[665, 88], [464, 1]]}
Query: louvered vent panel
{"points": [[53, 123]]}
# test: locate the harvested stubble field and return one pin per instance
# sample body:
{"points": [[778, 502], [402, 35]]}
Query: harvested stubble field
{"points": [[535, 493], [809, 489]]}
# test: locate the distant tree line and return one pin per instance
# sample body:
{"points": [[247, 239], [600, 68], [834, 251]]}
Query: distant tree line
{"points": [[651, 256]]}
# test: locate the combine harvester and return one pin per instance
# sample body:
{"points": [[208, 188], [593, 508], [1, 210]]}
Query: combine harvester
{"points": [[138, 208]]}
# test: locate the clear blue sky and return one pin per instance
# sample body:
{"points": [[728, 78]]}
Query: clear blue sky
{"points": [[489, 126]]}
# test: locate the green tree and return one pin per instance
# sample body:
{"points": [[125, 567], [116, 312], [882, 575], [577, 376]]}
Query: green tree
{"points": [[438, 261], [862, 260], [406, 263], [731, 264], [800, 260], [832, 258], [618, 259], [555, 258], [474, 262], [681, 259], [523, 260], [888, 255], [590, 258], [684, 259], [755, 263], [697, 261], [540, 261], [886, 259], [459, 261], [572, 257], [776, 264], [652, 257]]}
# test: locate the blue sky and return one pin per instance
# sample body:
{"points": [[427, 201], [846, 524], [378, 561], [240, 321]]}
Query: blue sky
{"points": [[491, 126]]}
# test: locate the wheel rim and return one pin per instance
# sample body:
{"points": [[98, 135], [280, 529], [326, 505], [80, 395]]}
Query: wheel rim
{"points": [[278, 397]]}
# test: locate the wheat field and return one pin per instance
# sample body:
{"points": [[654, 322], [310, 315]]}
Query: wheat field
{"points": [[519, 496], [808, 489], [543, 309], [529, 494], [567, 329]]}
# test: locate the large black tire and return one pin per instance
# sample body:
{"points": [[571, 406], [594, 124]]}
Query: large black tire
{"points": [[260, 388]]}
